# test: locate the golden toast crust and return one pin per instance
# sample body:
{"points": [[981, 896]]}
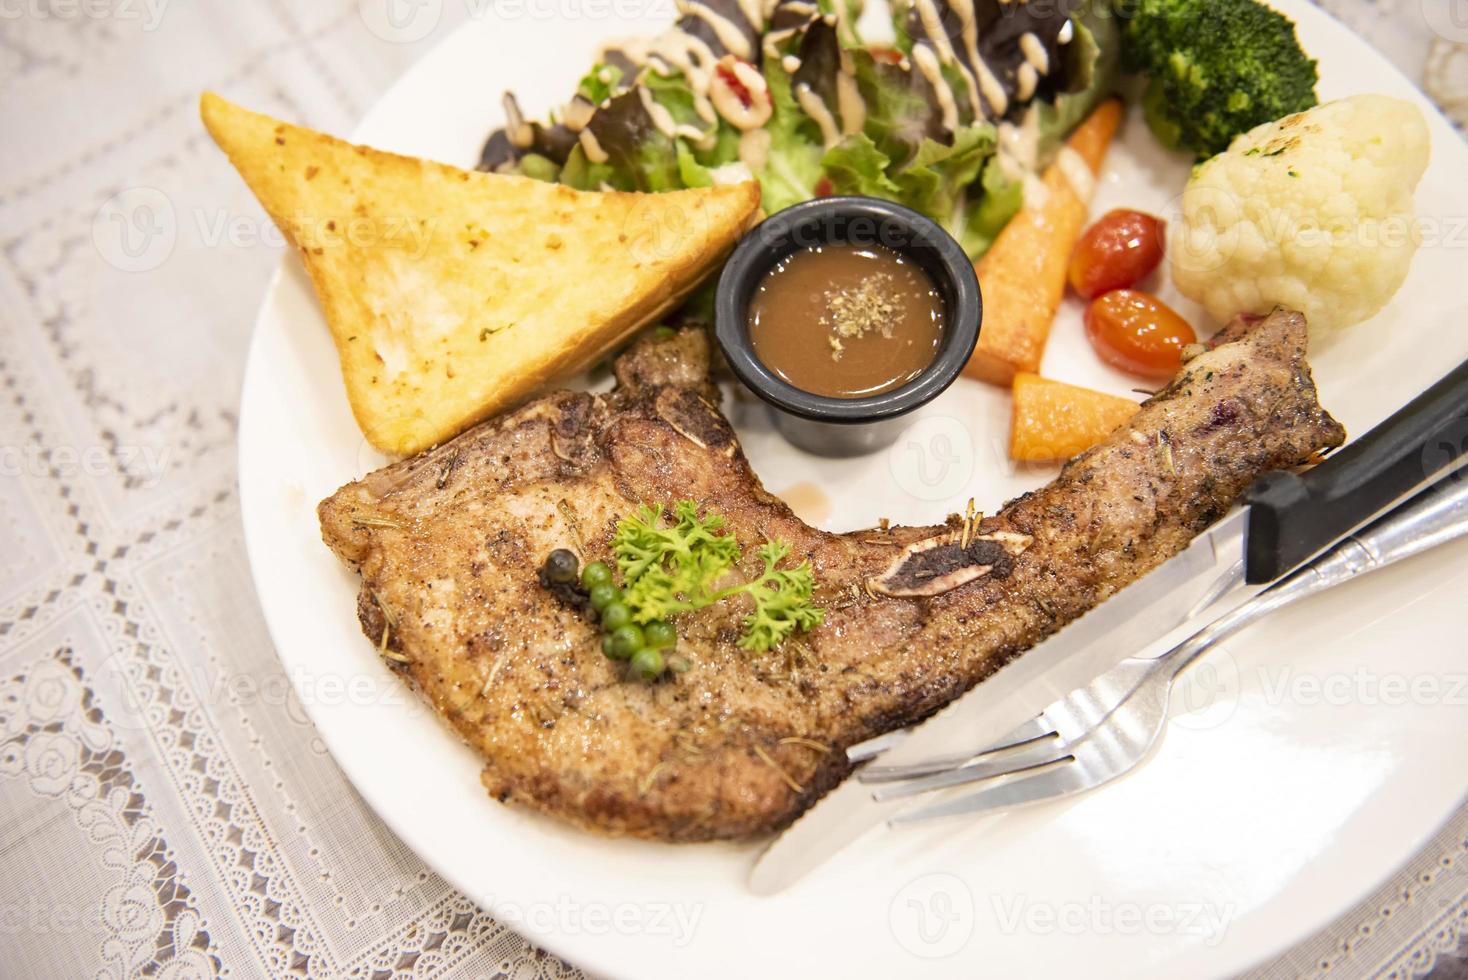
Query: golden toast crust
{"points": [[453, 295]]}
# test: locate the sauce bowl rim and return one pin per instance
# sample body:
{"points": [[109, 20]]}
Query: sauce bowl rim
{"points": [[775, 238]]}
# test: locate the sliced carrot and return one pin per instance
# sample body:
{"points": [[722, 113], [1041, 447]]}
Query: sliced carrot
{"points": [[1054, 420], [1022, 276]]}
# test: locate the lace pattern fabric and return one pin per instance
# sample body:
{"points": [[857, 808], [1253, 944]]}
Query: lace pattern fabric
{"points": [[168, 809]]}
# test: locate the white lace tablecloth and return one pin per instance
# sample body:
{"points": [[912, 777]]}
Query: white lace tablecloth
{"points": [[165, 807]]}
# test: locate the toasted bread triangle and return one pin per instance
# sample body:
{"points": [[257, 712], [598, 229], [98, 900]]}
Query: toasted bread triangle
{"points": [[453, 294]]}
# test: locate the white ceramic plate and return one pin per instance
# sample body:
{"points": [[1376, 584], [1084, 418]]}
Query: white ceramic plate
{"points": [[1305, 762]]}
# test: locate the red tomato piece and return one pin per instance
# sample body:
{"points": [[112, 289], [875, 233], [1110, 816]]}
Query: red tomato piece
{"points": [[1117, 252], [1138, 333]]}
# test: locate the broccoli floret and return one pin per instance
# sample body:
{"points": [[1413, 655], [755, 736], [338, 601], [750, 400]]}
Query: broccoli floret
{"points": [[1217, 68]]}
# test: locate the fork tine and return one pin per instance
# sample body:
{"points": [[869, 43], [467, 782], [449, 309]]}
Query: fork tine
{"points": [[873, 747], [1034, 729], [1042, 753], [1052, 782]]}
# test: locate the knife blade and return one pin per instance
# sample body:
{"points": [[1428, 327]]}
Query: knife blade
{"points": [[1071, 658], [1290, 518]]}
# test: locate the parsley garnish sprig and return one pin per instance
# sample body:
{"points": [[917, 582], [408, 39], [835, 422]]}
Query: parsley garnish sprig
{"points": [[672, 569]]}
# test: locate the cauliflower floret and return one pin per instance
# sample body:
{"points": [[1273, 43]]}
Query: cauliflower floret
{"points": [[1312, 212]]}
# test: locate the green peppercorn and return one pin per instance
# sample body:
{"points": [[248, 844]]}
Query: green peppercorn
{"points": [[609, 648], [660, 635], [596, 573], [626, 641], [604, 595], [647, 664], [615, 616]]}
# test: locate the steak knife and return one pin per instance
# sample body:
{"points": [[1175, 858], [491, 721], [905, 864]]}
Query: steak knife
{"points": [[1287, 518]]}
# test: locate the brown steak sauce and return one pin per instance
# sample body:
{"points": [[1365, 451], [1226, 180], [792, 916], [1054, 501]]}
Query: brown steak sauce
{"points": [[846, 321]]}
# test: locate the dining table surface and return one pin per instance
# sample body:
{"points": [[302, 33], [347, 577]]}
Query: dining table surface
{"points": [[166, 807]]}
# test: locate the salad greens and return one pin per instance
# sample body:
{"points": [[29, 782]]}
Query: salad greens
{"points": [[902, 145]]}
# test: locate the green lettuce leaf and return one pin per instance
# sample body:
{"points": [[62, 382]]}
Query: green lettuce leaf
{"points": [[582, 174], [856, 166], [692, 173], [639, 156], [1094, 57], [600, 84], [898, 117], [935, 181], [793, 164], [987, 209]]}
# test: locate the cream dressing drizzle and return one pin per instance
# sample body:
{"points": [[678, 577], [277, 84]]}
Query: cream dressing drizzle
{"points": [[1019, 156], [728, 33], [933, 26], [577, 113], [681, 50], [1034, 52], [927, 63], [816, 108], [731, 106], [520, 133], [1036, 193], [675, 50], [927, 12], [1026, 80], [591, 147], [754, 149], [849, 103], [754, 12], [993, 92], [773, 39], [1077, 173], [663, 122], [750, 77]]}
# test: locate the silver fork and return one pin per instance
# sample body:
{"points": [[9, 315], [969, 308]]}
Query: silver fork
{"points": [[1102, 731]]}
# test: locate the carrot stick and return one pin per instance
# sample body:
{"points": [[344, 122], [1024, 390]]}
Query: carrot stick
{"points": [[1054, 420], [1022, 276]]}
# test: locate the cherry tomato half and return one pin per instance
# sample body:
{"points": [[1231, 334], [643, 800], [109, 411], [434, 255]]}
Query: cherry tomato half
{"points": [[1117, 252], [1138, 333]]}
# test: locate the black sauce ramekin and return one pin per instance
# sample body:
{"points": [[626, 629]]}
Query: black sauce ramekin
{"points": [[848, 426]]}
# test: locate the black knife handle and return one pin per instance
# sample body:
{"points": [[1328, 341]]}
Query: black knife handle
{"points": [[1293, 516]]}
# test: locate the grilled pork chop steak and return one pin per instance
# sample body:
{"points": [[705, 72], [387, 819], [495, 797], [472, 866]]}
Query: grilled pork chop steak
{"points": [[448, 544]]}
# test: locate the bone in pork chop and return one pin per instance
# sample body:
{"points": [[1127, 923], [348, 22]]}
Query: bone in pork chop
{"points": [[448, 544]]}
